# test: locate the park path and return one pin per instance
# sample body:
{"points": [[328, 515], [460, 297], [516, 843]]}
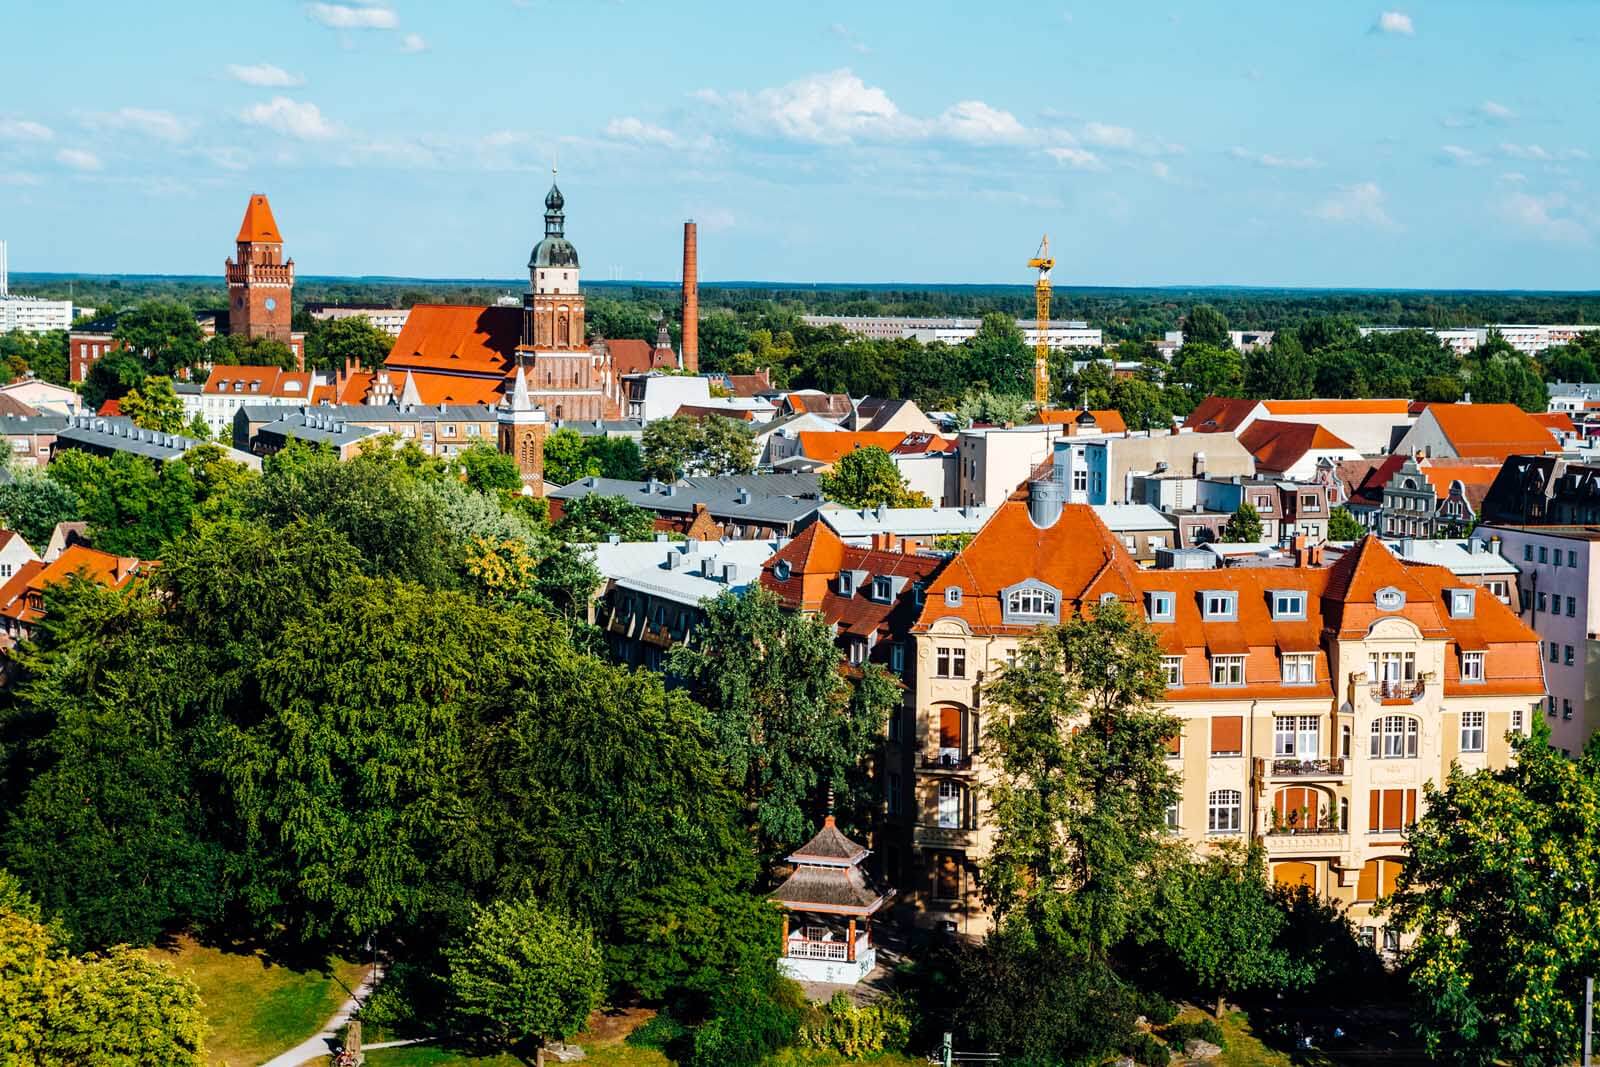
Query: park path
{"points": [[322, 1044]]}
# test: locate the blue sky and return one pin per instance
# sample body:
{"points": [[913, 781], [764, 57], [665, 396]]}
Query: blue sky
{"points": [[1454, 143]]}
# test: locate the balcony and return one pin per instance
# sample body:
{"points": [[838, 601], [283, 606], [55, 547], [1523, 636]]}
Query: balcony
{"points": [[932, 835], [1391, 692], [948, 759], [1308, 768], [1307, 841]]}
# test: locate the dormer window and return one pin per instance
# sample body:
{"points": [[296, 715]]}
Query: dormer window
{"points": [[1288, 604], [1030, 602], [1462, 602], [952, 596], [882, 590], [1390, 599], [1219, 605], [847, 583], [1160, 607], [780, 570]]}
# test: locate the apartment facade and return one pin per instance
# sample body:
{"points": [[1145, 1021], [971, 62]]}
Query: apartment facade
{"points": [[1559, 593], [1315, 701]]}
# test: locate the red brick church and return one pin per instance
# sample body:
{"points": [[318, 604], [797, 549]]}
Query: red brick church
{"points": [[462, 354]]}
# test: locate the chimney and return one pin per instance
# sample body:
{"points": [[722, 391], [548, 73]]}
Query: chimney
{"points": [[691, 299], [885, 541]]}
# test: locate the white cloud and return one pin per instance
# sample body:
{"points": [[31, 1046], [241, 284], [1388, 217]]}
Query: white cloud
{"points": [[352, 17], [78, 159], [162, 125], [413, 42], [1465, 156], [1099, 133], [293, 118], [1274, 161], [978, 123], [1396, 22], [1512, 177], [23, 130], [835, 107], [845, 34], [1542, 154], [264, 75], [1361, 203], [1549, 218], [638, 131], [1161, 170], [1489, 109], [1076, 158]]}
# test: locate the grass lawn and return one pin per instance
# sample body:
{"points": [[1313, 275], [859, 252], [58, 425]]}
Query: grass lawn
{"points": [[607, 1052], [257, 1009]]}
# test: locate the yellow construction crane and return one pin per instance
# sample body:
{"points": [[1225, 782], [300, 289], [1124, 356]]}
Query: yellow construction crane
{"points": [[1043, 262]]}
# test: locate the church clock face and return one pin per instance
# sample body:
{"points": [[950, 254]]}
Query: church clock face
{"points": [[271, 304]]}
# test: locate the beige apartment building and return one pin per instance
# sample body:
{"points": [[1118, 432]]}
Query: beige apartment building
{"points": [[1316, 701]]}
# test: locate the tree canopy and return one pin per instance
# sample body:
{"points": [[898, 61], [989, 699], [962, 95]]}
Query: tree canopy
{"points": [[868, 477]]}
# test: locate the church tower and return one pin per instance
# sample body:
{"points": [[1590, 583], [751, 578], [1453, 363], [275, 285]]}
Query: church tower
{"points": [[260, 280], [522, 428], [564, 376]]}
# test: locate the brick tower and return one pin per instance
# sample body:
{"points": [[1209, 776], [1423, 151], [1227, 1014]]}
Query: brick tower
{"points": [[522, 430], [565, 377], [260, 280]]}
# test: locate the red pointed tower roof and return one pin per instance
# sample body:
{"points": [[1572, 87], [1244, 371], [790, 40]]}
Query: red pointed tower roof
{"points": [[258, 224]]}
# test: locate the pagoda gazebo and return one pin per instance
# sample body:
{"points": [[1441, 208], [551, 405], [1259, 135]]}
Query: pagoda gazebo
{"points": [[833, 903]]}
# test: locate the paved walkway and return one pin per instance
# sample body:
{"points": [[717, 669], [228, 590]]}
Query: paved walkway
{"points": [[323, 1043]]}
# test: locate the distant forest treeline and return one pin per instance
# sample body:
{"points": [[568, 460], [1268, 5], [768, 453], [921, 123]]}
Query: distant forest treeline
{"points": [[1124, 314]]}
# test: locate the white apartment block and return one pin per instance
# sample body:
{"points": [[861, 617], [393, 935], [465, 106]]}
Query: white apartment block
{"points": [[390, 320], [1059, 333]]}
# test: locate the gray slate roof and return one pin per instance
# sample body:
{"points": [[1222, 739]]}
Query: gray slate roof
{"points": [[734, 498]]}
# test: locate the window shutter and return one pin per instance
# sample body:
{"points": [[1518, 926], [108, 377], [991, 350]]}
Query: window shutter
{"points": [[949, 727], [1389, 875], [1175, 742], [1227, 734], [1411, 807], [1367, 884], [1374, 813]]}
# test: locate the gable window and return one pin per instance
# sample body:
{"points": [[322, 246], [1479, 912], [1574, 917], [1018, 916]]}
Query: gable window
{"points": [[1223, 811], [950, 661], [1472, 666], [1159, 606], [1227, 670], [1289, 604], [1299, 668], [1080, 480], [1472, 731], [1310, 502], [1219, 605], [1031, 601], [1172, 670], [1394, 737]]}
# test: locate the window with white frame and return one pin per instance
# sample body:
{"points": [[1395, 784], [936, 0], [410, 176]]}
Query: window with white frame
{"points": [[1299, 668], [1289, 604], [1227, 670], [1295, 737], [1224, 811], [1080, 480], [950, 804], [1032, 600], [1391, 667], [1472, 666], [858, 651], [1172, 670], [897, 657], [1472, 731], [1394, 737], [950, 661], [882, 589], [1160, 606], [1219, 604], [847, 583], [1516, 720], [952, 596]]}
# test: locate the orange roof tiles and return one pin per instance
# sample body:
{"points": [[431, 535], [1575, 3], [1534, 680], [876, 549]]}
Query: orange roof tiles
{"points": [[258, 224], [458, 338], [1109, 420], [813, 562], [456, 389], [257, 381], [1491, 430], [629, 356], [1219, 414], [1278, 446], [1440, 473], [20, 598], [354, 388], [1555, 420], [829, 447], [1337, 407]]}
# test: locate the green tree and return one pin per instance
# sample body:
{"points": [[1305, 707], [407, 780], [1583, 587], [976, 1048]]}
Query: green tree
{"points": [[1203, 370], [868, 477], [1082, 786], [567, 458], [996, 409], [162, 333], [1499, 374], [727, 447], [1343, 526], [998, 358], [489, 470], [1142, 404], [1244, 525], [32, 503], [1280, 370], [1222, 925], [132, 506], [1496, 890], [111, 376], [596, 517], [331, 343], [238, 350], [109, 831], [788, 723], [710, 446], [199, 429], [523, 975], [1324, 333], [1205, 325], [94, 1011], [154, 405]]}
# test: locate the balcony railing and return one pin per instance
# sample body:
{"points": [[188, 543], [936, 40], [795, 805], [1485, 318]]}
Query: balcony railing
{"points": [[1389, 690], [1307, 841], [1308, 768], [803, 949], [947, 761], [930, 833]]}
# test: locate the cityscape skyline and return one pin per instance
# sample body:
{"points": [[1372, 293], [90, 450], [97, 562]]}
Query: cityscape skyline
{"points": [[1345, 148]]}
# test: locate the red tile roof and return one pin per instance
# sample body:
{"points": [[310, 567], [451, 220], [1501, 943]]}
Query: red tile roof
{"points": [[829, 446], [917, 444], [20, 597], [637, 357], [1278, 446], [1555, 420], [1337, 407], [1108, 420], [460, 339], [258, 381], [455, 389], [112, 406], [258, 224], [1219, 414], [1491, 430]]}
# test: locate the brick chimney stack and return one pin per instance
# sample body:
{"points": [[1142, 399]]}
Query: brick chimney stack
{"points": [[691, 300]]}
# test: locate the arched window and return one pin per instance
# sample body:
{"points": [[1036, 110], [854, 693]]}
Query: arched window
{"points": [[1031, 601], [1295, 873], [1224, 811], [1299, 808], [1378, 879], [1394, 737]]}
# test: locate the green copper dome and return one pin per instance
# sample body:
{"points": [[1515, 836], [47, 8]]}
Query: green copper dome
{"points": [[555, 250]]}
